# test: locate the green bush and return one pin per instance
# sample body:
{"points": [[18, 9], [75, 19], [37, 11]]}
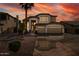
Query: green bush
{"points": [[14, 46]]}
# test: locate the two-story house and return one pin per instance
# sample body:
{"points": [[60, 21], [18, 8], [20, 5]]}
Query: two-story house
{"points": [[42, 18], [7, 22], [47, 24]]}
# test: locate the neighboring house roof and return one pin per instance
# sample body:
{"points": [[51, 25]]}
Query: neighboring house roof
{"points": [[7, 14], [72, 23], [3, 13]]}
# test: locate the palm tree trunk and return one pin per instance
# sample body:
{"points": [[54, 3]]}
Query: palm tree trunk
{"points": [[26, 20]]}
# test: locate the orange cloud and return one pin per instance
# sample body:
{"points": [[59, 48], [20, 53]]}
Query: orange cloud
{"points": [[41, 8], [63, 11], [71, 8]]}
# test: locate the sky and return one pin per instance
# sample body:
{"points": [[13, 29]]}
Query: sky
{"points": [[63, 11]]}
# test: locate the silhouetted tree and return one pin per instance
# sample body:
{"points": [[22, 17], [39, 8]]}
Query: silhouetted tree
{"points": [[26, 6]]}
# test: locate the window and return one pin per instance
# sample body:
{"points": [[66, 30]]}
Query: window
{"points": [[3, 17], [44, 19]]}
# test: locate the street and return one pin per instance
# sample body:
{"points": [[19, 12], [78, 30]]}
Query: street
{"points": [[69, 46]]}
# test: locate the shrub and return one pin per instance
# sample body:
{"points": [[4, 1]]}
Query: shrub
{"points": [[14, 46]]}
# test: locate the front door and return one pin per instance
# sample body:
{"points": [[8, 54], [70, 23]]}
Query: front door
{"points": [[33, 25]]}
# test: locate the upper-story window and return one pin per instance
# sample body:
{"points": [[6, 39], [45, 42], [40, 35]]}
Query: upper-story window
{"points": [[44, 19], [3, 17]]}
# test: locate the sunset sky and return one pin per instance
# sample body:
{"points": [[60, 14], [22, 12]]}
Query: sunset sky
{"points": [[64, 11]]}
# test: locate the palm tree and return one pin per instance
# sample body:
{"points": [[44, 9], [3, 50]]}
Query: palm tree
{"points": [[26, 6]]}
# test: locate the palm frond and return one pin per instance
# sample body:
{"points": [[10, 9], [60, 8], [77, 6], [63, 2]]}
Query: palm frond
{"points": [[27, 5], [20, 3]]}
